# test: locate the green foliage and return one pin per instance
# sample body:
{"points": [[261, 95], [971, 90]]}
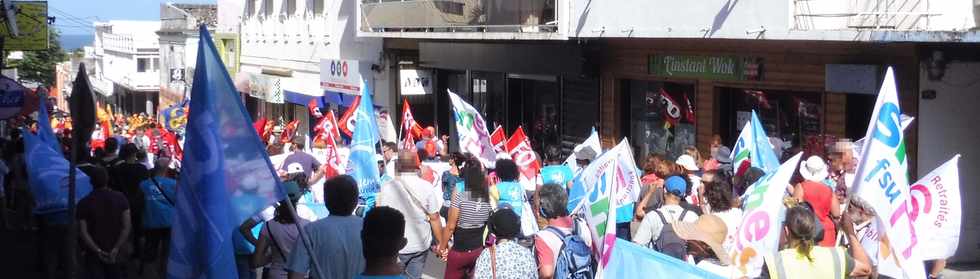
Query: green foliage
{"points": [[38, 66]]}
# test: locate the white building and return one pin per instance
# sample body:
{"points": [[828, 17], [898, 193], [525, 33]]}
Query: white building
{"points": [[127, 64], [286, 43], [178, 40]]}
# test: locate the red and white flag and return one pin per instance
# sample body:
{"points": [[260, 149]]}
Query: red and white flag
{"points": [[348, 120], [520, 150], [410, 127], [498, 138], [326, 129]]}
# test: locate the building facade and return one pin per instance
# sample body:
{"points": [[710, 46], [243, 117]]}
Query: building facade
{"points": [[127, 64], [285, 45], [668, 75], [178, 47]]}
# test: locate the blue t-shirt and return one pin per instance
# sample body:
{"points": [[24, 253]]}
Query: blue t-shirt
{"points": [[159, 206], [558, 174], [511, 193]]}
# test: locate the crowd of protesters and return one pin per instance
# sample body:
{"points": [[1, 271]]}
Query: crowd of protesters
{"points": [[471, 217]]}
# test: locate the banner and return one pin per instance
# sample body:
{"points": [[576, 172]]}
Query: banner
{"points": [[753, 144], [591, 142], [528, 163], [498, 138], [472, 131], [629, 260], [882, 178], [937, 210], [758, 234]]}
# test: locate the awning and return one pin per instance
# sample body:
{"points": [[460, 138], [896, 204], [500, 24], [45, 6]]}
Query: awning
{"points": [[328, 97]]}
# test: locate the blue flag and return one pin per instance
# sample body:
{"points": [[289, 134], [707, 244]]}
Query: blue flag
{"points": [[227, 176], [47, 176], [363, 166], [763, 156], [629, 260], [44, 131]]}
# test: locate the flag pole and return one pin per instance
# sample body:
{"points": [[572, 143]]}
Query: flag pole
{"points": [[72, 226]]}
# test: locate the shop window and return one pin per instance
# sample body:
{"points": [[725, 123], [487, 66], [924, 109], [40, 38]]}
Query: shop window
{"points": [[793, 117], [658, 117]]}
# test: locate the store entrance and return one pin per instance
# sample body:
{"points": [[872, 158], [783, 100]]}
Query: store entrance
{"points": [[534, 103], [790, 116], [659, 117]]}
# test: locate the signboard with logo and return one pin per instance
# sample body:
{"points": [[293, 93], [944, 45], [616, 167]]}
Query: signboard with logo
{"points": [[32, 27], [266, 88], [339, 75], [415, 82], [705, 67]]}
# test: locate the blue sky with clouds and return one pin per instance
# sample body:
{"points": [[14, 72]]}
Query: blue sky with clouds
{"points": [[76, 16]]}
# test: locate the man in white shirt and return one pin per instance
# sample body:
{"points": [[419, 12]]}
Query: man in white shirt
{"points": [[419, 201], [649, 230]]}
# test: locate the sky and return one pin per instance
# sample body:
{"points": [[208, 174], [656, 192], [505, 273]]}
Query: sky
{"points": [[76, 16]]}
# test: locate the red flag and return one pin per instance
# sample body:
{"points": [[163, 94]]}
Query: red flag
{"points": [[289, 131], [672, 110], [172, 145], [409, 125], [348, 118], [520, 150], [260, 129], [153, 148], [326, 129], [498, 138]]}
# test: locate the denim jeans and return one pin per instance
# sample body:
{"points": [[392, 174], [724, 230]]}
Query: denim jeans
{"points": [[413, 263]]}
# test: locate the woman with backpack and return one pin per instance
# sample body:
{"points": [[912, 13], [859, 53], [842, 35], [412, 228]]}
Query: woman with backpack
{"points": [[278, 237], [656, 232], [561, 252], [467, 222]]}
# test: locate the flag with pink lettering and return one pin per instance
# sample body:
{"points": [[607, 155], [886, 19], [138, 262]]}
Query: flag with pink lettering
{"points": [[937, 212], [520, 151], [882, 179], [758, 234], [472, 131]]}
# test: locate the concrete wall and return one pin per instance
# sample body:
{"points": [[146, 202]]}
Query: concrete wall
{"points": [[229, 15], [948, 126]]}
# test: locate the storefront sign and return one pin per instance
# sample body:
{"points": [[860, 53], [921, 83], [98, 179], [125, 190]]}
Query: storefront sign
{"points": [[415, 82], [341, 76], [266, 87], [705, 67]]}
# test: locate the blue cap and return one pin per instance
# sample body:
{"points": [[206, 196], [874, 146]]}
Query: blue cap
{"points": [[676, 185]]}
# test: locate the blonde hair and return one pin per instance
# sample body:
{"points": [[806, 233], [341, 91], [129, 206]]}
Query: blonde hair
{"points": [[693, 151]]}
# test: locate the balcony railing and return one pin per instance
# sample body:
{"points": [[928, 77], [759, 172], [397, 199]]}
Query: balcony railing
{"points": [[460, 16], [867, 14]]}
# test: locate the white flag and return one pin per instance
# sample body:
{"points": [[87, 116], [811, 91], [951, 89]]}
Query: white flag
{"points": [[882, 178], [937, 212], [758, 234], [472, 131]]}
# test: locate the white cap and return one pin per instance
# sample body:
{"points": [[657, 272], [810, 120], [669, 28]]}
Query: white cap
{"points": [[687, 162], [294, 168]]}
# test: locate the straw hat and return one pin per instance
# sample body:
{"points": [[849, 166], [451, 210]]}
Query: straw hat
{"points": [[814, 169], [708, 229]]}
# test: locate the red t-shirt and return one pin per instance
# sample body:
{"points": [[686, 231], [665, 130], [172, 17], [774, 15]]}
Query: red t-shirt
{"points": [[547, 243]]}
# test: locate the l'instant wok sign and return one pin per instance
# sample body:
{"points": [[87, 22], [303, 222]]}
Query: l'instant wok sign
{"points": [[705, 67]]}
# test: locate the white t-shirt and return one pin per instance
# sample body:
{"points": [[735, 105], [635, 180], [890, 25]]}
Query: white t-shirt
{"points": [[395, 194], [732, 218], [649, 229]]}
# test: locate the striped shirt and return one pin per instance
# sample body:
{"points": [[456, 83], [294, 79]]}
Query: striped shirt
{"points": [[472, 214]]}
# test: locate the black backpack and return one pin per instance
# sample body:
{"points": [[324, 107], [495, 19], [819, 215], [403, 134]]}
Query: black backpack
{"points": [[669, 242]]}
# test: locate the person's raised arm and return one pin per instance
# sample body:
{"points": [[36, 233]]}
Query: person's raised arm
{"points": [[862, 263]]}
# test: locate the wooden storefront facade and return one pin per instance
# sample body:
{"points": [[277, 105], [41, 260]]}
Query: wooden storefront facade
{"points": [[784, 66]]}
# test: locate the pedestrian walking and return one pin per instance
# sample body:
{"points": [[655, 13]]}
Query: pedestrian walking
{"points": [[419, 202], [104, 224]]}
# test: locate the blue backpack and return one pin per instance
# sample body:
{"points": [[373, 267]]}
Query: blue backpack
{"points": [[574, 259]]}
